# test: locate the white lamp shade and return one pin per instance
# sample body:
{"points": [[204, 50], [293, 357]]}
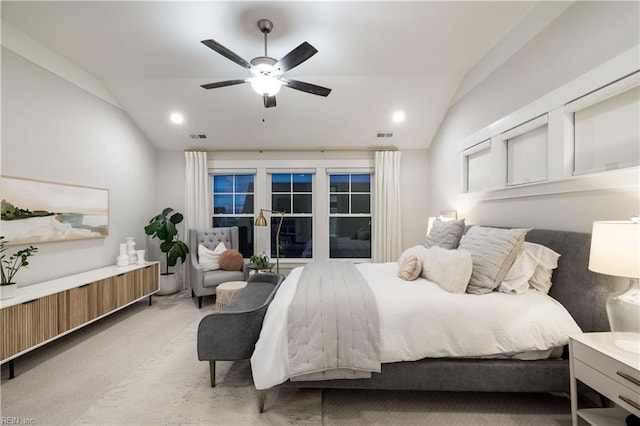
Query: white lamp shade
{"points": [[615, 248]]}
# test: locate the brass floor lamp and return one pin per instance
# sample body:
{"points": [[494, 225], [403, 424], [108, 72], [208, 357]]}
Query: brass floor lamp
{"points": [[262, 221]]}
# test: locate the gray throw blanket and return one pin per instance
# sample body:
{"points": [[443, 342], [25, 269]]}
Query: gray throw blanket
{"points": [[333, 326]]}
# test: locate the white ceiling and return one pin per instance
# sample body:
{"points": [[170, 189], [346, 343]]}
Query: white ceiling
{"points": [[376, 56]]}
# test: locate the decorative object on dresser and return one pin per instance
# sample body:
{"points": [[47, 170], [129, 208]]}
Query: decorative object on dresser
{"points": [[261, 221], [123, 258], [164, 228], [11, 266], [131, 250], [615, 250]]}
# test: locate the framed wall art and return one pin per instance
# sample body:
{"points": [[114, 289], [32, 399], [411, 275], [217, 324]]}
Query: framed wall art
{"points": [[35, 211]]}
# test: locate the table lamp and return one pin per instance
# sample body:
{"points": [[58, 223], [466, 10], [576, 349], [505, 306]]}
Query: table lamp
{"points": [[262, 221], [615, 250]]}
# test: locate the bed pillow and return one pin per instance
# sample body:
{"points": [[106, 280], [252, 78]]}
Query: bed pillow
{"points": [[409, 268], [547, 261], [450, 269], [445, 233], [517, 279], [493, 251], [209, 260], [231, 260]]}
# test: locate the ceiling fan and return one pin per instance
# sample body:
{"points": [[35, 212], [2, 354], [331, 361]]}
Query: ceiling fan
{"points": [[267, 72]]}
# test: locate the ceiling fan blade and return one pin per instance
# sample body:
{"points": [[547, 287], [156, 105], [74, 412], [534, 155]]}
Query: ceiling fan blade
{"points": [[296, 57], [269, 101], [306, 87], [224, 83], [212, 44]]}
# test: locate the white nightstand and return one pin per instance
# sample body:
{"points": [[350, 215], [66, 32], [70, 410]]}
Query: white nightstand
{"points": [[610, 371]]}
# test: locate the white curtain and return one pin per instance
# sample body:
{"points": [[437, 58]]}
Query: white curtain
{"points": [[387, 244], [197, 196]]}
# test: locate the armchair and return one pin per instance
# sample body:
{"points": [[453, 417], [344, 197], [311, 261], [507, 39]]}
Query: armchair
{"points": [[205, 283]]}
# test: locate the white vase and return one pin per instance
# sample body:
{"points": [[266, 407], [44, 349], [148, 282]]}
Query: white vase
{"points": [[131, 250], [140, 255], [123, 258], [8, 291]]}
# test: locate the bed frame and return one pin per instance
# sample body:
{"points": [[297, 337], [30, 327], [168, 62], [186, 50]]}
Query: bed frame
{"points": [[583, 294]]}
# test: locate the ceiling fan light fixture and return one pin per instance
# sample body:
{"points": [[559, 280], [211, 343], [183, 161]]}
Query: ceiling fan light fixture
{"points": [[265, 85]]}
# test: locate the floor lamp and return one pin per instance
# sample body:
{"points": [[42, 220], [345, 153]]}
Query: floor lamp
{"points": [[262, 221]]}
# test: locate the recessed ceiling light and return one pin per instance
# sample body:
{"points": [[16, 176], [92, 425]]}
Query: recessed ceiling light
{"points": [[398, 117], [177, 118]]}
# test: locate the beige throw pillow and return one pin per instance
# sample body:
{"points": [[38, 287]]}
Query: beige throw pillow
{"points": [[209, 260], [409, 268], [493, 251]]}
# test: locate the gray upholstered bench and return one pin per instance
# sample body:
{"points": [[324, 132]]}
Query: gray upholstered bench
{"points": [[231, 334]]}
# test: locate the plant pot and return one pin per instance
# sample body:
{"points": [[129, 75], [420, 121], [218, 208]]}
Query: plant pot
{"points": [[8, 291], [169, 284]]}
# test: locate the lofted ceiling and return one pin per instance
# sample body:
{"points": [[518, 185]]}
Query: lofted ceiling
{"points": [[377, 57]]}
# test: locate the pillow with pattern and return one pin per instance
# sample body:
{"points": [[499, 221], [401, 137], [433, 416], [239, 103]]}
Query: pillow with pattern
{"points": [[445, 234], [409, 268]]}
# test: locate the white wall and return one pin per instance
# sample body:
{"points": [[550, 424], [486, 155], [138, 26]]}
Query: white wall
{"points": [[52, 130], [585, 36]]}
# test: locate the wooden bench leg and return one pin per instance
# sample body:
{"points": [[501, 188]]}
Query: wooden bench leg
{"points": [[212, 373], [263, 399]]}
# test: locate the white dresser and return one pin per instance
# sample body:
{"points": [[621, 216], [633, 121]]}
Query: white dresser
{"points": [[610, 371]]}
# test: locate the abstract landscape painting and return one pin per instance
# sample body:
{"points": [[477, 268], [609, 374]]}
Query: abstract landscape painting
{"points": [[36, 211]]}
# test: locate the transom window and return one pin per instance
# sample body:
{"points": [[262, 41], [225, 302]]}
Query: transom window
{"points": [[233, 205], [350, 215]]}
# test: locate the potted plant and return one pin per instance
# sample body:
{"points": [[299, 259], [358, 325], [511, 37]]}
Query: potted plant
{"points": [[164, 228], [10, 266], [259, 259]]}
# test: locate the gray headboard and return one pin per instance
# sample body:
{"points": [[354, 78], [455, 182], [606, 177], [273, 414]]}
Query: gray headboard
{"points": [[581, 291]]}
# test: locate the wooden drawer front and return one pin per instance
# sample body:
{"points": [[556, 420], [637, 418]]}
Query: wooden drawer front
{"points": [[610, 367], [612, 389], [73, 308], [106, 296], [149, 279], [138, 279], [124, 289], [28, 324]]}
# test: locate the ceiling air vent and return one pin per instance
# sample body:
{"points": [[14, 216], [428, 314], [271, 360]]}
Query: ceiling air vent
{"points": [[199, 136], [384, 134]]}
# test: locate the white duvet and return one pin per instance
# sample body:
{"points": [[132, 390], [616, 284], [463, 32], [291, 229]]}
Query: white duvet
{"points": [[419, 320]]}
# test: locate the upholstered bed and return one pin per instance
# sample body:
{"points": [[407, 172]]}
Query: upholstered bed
{"points": [[580, 291]]}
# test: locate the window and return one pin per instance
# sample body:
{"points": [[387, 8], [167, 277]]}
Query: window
{"points": [[478, 167], [292, 193], [350, 216], [233, 205], [606, 127], [527, 152]]}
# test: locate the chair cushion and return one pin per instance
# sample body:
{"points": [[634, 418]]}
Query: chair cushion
{"points": [[214, 278]]}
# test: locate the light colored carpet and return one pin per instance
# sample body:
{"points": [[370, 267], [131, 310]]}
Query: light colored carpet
{"points": [[139, 367]]}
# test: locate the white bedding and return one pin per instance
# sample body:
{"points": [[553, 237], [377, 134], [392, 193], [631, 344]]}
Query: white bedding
{"points": [[418, 319]]}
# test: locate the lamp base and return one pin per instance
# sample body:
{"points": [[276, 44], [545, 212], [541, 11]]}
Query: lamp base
{"points": [[623, 310]]}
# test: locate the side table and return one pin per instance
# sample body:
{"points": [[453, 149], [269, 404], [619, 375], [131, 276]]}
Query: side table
{"points": [[226, 291], [610, 371], [258, 268]]}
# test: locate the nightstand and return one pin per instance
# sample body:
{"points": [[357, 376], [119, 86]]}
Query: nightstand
{"points": [[610, 371]]}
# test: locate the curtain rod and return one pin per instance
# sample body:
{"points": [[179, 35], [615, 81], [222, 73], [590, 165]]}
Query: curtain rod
{"points": [[337, 149]]}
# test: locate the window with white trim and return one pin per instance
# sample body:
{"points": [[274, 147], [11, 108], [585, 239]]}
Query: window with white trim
{"points": [[233, 205], [292, 193], [606, 127], [477, 167], [527, 152], [350, 216]]}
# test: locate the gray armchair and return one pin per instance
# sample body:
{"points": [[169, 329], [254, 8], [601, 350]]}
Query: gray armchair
{"points": [[205, 283]]}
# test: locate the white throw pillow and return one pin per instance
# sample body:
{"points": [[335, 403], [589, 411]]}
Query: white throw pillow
{"points": [[450, 269], [209, 260], [410, 267], [547, 261], [517, 279], [417, 251]]}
